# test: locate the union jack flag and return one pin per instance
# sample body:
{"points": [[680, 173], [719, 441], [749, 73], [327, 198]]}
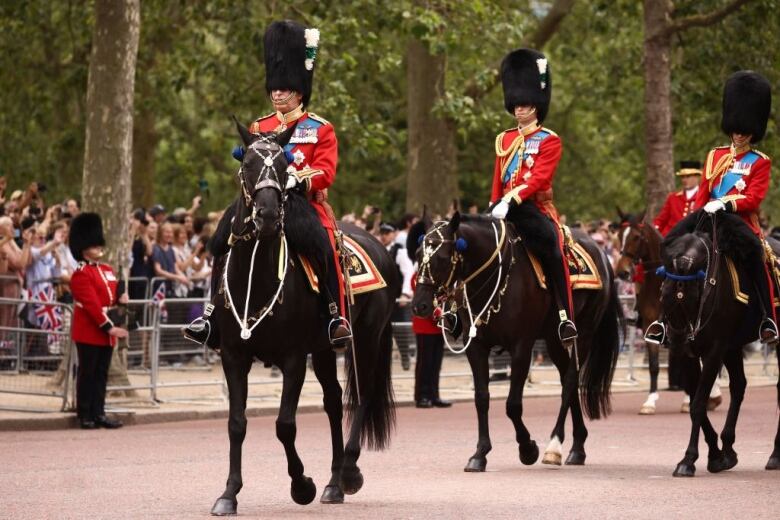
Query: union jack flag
{"points": [[49, 317], [159, 299]]}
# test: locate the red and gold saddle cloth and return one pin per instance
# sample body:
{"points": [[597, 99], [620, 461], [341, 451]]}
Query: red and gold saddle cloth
{"points": [[582, 269], [363, 275]]}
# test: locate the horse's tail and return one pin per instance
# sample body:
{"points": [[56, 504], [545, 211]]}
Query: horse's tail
{"points": [[600, 365], [376, 387]]}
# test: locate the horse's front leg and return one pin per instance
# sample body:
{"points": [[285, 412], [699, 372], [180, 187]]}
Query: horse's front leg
{"points": [[325, 370], [579, 430], [521, 362], [302, 488], [699, 383], [774, 459], [567, 372], [737, 384], [649, 406], [478, 359], [236, 366]]}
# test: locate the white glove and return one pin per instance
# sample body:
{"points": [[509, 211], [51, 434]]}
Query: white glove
{"points": [[714, 205], [500, 210], [292, 181]]}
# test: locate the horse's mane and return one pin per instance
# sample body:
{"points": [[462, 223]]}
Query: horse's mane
{"points": [[735, 239], [679, 246]]}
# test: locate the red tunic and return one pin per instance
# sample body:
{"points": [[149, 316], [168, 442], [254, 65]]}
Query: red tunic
{"points": [[94, 290], [676, 207], [745, 196], [315, 150]]}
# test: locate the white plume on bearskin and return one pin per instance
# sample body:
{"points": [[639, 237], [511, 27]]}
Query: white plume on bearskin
{"points": [[525, 76]]}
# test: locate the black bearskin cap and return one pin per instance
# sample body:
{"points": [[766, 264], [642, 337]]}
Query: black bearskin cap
{"points": [[747, 100], [523, 82], [86, 230], [285, 59]]}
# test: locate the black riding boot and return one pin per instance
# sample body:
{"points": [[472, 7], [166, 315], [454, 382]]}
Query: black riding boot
{"points": [[767, 331], [556, 282], [339, 328], [203, 329]]}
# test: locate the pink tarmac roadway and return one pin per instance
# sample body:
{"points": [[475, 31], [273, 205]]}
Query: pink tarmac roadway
{"points": [[176, 470]]}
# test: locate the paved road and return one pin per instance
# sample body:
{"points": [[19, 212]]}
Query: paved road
{"points": [[176, 470]]}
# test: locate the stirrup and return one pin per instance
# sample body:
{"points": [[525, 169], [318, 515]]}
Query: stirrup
{"points": [[567, 332], [449, 322], [198, 331], [657, 336], [768, 331], [343, 340]]}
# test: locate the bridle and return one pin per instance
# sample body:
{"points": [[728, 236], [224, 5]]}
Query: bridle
{"points": [[636, 257], [446, 291], [268, 150]]}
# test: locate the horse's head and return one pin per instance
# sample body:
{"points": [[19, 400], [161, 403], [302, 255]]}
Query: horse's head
{"points": [[686, 263], [437, 262], [263, 177], [636, 244]]}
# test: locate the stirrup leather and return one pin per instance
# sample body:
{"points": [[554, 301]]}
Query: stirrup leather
{"points": [[656, 337]]}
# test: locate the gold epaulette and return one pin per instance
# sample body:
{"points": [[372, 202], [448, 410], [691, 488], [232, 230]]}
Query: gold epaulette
{"points": [[265, 117], [763, 155], [711, 169], [503, 152], [549, 131], [318, 118]]}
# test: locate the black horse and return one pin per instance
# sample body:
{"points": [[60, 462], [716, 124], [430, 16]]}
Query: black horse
{"points": [[265, 310], [707, 323], [498, 290]]}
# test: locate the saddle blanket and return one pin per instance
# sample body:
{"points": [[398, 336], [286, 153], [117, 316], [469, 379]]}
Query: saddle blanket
{"points": [[582, 269], [363, 275]]}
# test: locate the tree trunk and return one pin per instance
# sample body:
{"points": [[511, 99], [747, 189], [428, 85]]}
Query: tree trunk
{"points": [[432, 154], [145, 140], [659, 144], [109, 139]]}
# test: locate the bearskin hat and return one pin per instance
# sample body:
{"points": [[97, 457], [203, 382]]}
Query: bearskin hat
{"points": [[689, 168], [86, 230], [747, 100], [290, 51], [525, 76]]}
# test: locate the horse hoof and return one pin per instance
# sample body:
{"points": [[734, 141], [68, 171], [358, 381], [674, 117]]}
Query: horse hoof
{"points": [[729, 459], [575, 458], [476, 465], [332, 495], [716, 463], [224, 507], [351, 481], [551, 458], [529, 453], [647, 410], [773, 463], [684, 469], [303, 491], [685, 408]]}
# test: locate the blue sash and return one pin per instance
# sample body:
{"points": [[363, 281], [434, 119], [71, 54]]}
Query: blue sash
{"points": [[731, 177], [531, 147]]}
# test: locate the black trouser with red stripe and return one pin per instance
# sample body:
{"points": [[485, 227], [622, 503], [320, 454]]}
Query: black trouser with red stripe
{"points": [[92, 379], [430, 354]]}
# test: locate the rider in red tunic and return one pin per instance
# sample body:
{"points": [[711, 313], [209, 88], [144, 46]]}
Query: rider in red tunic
{"points": [[290, 52], [680, 204], [526, 160], [736, 180]]}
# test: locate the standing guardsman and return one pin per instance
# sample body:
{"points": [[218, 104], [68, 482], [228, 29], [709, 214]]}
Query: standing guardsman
{"points": [[736, 180], [94, 289], [526, 160], [680, 204], [290, 52]]}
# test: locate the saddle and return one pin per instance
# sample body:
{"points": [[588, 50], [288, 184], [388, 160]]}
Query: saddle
{"points": [[740, 283], [582, 269], [364, 276]]}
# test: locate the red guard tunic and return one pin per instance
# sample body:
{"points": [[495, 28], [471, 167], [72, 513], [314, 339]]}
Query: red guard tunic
{"points": [[94, 290], [677, 206], [315, 155], [525, 166]]}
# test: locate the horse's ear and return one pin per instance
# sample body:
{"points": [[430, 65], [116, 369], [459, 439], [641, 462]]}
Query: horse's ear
{"points": [[246, 137], [454, 222], [642, 215], [284, 137], [620, 213]]}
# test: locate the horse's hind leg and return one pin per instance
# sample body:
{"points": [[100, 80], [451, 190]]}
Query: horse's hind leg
{"points": [[521, 362], [325, 370], [737, 385], [236, 368], [774, 458], [579, 430], [478, 359], [302, 488], [351, 476], [567, 371]]}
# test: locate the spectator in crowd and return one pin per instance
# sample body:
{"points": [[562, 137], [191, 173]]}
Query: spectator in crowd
{"points": [[184, 258], [158, 213], [402, 312], [72, 207], [11, 278], [66, 264], [164, 260], [404, 224], [141, 254]]}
